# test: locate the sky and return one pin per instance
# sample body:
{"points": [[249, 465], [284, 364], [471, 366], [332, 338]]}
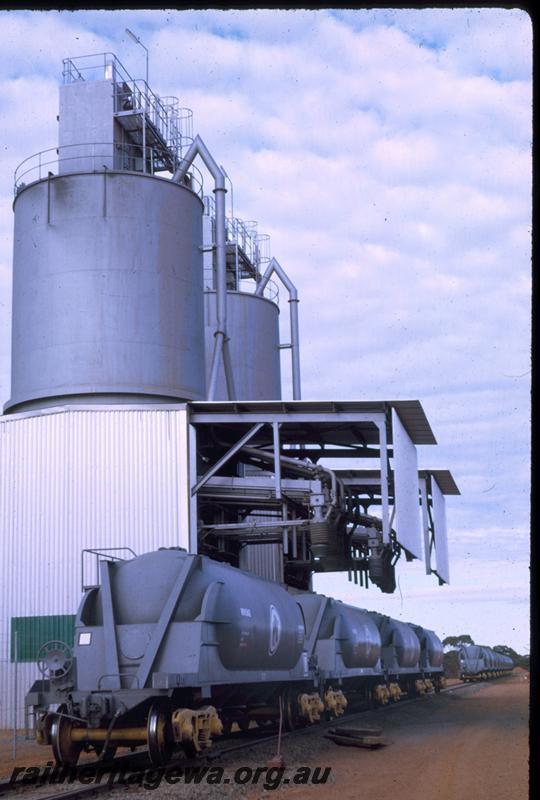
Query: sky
{"points": [[387, 153]]}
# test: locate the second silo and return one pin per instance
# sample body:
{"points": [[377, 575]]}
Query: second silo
{"points": [[252, 319]]}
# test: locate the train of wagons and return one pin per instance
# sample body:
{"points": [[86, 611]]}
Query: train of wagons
{"points": [[477, 662], [172, 648]]}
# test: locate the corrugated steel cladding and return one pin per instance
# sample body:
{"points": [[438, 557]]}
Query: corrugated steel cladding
{"points": [[77, 478], [265, 560]]}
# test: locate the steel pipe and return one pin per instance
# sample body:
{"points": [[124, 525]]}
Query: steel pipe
{"points": [[316, 471], [306, 470], [221, 347], [274, 266]]}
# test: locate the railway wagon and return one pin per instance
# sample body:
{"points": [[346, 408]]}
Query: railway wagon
{"points": [[477, 662], [172, 648]]}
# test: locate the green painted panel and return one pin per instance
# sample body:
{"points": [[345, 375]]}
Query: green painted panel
{"points": [[29, 633]]}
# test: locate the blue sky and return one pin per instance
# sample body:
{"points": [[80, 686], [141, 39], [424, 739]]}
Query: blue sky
{"points": [[388, 155]]}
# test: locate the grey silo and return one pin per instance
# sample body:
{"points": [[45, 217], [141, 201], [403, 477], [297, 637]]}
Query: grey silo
{"points": [[253, 329], [107, 266], [107, 291], [110, 260]]}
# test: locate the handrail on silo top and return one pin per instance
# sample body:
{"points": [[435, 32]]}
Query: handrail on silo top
{"points": [[89, 157], [97, 66]]}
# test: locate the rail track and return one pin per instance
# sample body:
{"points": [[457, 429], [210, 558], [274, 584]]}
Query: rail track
{"points": [[122, 766]]}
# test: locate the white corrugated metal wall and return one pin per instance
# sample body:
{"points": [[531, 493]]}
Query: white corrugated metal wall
{"points": [[76, 478]]}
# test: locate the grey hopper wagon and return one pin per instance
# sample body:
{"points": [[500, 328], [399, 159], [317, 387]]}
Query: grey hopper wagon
{"points": [[478, 662], [169, 636]]}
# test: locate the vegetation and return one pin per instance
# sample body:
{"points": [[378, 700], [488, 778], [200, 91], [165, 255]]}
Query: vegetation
{"points": [[457, 641], [451, 664], [519, 661]]}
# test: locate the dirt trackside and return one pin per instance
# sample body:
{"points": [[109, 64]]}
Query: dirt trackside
{"points": [[471, 743]]}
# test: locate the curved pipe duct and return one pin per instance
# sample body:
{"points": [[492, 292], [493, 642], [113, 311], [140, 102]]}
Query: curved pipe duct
{"points": [[315, 471], [292, 465], [221, 346], [274, 266]]}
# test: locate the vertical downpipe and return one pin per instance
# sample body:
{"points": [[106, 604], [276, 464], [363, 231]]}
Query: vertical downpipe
{"points": [[104, 203], [274, 266], [15, 690], [221, 346], [221, 343], [49, 199], [295, 348]]}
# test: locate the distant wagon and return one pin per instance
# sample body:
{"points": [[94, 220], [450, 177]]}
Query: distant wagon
{"points": [[477, 662]]}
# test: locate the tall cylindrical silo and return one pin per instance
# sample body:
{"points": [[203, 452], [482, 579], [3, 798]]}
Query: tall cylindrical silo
{"points": [[107, 291], [253, 332]]}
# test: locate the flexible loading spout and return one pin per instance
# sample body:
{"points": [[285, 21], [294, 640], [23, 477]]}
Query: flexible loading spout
{"points": [[274, 266], [221, 345]]}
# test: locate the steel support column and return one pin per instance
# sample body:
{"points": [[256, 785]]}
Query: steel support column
{"points": [[192, 496], [384, 481], [425, 524]]}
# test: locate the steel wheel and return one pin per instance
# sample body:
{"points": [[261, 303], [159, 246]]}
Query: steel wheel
{"points": [[160, 741], [65, 751]]}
